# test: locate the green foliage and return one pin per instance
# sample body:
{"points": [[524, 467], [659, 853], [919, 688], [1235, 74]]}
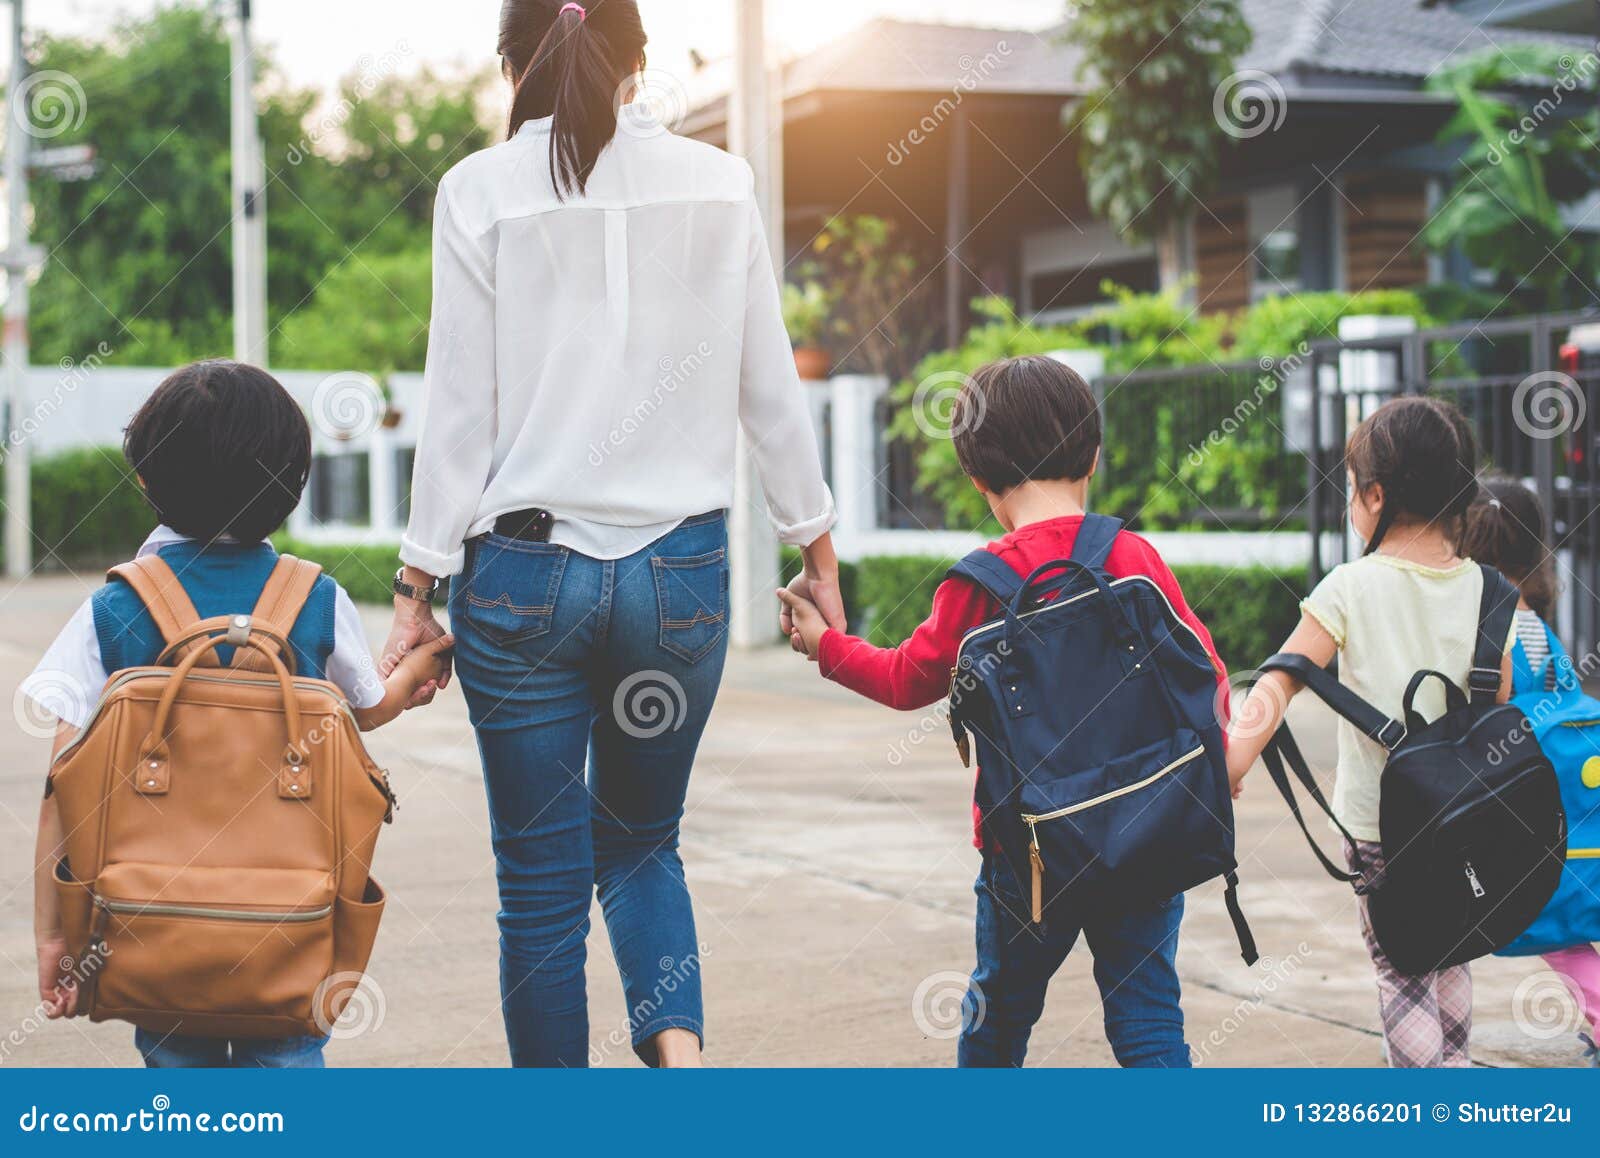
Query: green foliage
{"points": [[141, 253], [806, 310], [1150, 144], [370, 312], [999, 333], [1250, 611], [365, 572], [880, 290], [1150, 471], [1518, 167], [87, 508]]}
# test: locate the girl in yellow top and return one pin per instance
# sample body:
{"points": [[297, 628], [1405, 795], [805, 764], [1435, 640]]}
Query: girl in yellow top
{"points": [[1409, 603]]}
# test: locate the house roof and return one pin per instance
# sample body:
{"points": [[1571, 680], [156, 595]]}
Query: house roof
{"points": [[1308, 44]]}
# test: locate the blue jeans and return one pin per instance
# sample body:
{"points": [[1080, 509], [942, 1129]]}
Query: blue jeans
{"points": [[589, 683], [174, 1051], [1134, 965]]}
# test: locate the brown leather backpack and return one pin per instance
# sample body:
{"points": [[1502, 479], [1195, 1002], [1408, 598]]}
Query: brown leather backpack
{"points": [[220, 828]]}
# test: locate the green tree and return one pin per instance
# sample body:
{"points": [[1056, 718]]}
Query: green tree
{"points": [[1149, 141], [1518, 167]]}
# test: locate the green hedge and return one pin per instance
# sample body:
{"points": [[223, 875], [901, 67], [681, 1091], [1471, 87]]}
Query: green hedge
{"points": [[87, 508], [365, 572], [1249, 611]]}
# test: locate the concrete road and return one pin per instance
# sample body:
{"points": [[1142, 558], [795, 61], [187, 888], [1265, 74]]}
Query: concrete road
{"points": [[828, 845]]}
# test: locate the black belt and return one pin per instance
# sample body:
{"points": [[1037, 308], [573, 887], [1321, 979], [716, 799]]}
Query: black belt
{"points": [[531, 525]]}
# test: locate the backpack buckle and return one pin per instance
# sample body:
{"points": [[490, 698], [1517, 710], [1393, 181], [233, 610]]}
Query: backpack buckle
{"points": [[1386, 735], [239, 631], [1484, 680]]}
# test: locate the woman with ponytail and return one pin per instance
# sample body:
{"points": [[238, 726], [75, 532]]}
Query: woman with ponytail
{"points": [[605, 322], [1410, 603]]}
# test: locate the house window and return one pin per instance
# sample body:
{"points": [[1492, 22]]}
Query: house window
{"points": [[1274, 217], [1073, 289], [405, 461], [341, 493]]}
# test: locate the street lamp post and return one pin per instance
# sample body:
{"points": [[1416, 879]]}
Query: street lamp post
{"points": [[757, 135], [249, 201], [19, 258]]}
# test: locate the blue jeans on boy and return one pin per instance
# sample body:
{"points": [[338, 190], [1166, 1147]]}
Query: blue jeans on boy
{"points": [[1134, 965], [589, 682], [174, 1051]]}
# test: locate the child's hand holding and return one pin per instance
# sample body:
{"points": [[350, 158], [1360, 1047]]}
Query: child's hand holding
{"points": [[809, 626]]}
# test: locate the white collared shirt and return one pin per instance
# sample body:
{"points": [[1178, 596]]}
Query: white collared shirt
{"points": [[596, 356], [68, 679]]}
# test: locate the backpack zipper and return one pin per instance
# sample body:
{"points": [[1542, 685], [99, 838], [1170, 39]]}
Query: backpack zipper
{"points": [[1583, 854], [1477, 886], [1034, 819], [202, 912]]}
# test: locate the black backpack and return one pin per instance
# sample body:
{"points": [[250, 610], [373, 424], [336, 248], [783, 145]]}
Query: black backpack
{"points": [[1473, 831], [1102, 776]]}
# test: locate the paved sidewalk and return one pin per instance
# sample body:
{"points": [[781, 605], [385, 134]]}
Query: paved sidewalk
{"points": [[828, 844]]}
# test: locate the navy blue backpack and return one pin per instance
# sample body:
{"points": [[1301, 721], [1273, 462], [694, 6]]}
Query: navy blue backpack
{"points": [[1101, 776]]}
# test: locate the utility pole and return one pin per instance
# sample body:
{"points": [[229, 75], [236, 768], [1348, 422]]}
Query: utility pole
{"points": [[249, 202], [19, 259], [756, 135]]}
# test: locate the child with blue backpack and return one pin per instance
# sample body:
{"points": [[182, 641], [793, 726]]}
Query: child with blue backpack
{"points": [[1027, 433], [1506, 529]]}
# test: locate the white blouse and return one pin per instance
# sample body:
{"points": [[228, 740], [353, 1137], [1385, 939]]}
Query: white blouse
{"points": [[596, 356]]}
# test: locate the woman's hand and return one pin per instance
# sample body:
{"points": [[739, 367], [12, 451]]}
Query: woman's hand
{"points": [[414, 624], [809, 626], [817, 583]]}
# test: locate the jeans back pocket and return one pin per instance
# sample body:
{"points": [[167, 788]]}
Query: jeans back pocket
{"points": [[693, 597], [511, 592]]}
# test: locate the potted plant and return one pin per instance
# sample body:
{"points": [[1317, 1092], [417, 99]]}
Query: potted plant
{"points": [[806, 309]]}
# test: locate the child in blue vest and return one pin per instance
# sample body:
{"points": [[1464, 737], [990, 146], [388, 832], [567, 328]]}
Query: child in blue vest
{"points": [[1505, 529], [222, 452]]}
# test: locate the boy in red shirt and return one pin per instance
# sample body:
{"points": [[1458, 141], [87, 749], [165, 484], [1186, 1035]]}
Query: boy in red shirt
{"points": [[1027, 433]]}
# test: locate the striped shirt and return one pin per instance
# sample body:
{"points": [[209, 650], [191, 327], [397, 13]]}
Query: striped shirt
{"points": [[1536, 645]]}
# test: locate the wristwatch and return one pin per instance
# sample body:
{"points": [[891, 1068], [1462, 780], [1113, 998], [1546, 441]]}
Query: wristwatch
{"points": [[407, 591]]}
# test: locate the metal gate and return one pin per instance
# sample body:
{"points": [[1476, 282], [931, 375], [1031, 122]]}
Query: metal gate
{"points": [[1531, 389]]}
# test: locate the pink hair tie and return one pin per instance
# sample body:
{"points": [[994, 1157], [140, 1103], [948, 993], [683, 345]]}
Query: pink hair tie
{"points": [[583, 13]]}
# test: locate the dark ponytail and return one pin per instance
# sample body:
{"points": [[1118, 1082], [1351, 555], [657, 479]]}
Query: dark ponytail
{"points": [[1506, 529], [569, 62], [1423, 453]]}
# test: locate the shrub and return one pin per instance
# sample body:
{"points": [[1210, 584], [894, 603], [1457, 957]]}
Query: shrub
{"points": [[87, 508], [366, 572]]}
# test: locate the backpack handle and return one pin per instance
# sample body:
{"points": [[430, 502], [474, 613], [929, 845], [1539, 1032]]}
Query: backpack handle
{"points": [[1455, 699], [221, 625], [1124, 631], [153, 776]]}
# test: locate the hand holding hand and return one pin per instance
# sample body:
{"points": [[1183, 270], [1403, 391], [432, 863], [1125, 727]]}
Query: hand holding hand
{"points": [[808, 625], [414, 625]]}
